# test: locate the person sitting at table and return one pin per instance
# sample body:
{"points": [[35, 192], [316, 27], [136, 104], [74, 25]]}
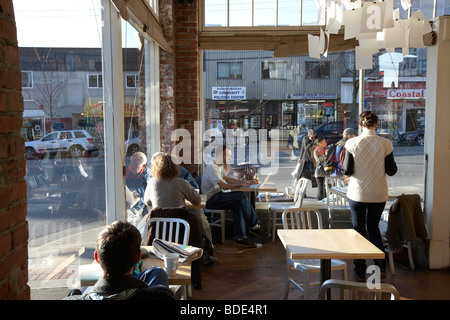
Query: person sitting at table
{"points": [[368, 158], [184, 173], [165, 189], [118, 252], [215, 183], [136, 179]]}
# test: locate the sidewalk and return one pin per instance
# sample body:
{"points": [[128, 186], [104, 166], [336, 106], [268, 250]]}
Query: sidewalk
{"points": [[53, 266]]}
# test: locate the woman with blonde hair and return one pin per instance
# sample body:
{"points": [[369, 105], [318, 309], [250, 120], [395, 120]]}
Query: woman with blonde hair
{"points": [[368, 158], [165, 189]]}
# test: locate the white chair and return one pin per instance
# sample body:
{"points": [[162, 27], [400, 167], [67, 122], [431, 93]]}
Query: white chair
{"points": [[169, 229], [300, 218], [358, 290], [408, 246], [276, 208], [218, 219], [337, 202]]}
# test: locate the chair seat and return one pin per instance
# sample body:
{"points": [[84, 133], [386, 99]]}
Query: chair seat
{"points": [[313, 265], [281, 206]]}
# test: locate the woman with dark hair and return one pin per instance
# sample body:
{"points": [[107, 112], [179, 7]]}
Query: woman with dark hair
{"points": [[165, 189], [368, 159]]}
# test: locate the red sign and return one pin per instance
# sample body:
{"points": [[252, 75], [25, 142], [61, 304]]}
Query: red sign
{"points": [[327, 105]]}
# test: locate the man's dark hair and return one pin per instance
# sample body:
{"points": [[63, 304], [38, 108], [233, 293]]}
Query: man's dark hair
{"points": [[118, 247]]}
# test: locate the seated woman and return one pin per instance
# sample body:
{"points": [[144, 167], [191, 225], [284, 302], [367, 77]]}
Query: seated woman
{"points": [[165, 189]]}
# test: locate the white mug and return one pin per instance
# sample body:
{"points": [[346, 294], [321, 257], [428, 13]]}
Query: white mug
{"points": [[171, 263]]}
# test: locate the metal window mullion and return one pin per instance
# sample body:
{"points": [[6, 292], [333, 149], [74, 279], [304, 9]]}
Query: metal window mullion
{"points": [[113, 114], [152, 98]]}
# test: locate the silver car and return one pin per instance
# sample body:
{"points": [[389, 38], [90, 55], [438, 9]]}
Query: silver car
{"points": [[73, 142]]}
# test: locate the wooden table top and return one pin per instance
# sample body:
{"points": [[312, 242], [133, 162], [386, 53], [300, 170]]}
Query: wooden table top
{"points": [[183, 275], [328, 244], [261, 188], [342, 191]]}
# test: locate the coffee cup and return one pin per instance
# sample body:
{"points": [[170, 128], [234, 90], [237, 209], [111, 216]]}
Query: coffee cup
{"points": [[171, 263]]}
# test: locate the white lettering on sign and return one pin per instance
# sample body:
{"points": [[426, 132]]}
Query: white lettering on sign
{"points": [[229, 93]]}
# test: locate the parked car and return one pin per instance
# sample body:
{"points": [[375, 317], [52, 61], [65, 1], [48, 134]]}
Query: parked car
{"points": [[412, 137], [73, 142], [331, 131]]}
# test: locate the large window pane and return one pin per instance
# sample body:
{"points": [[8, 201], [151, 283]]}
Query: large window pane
{"points": [[282, 94], [216, 13], [64, 134], [66, 94], [240, 13], [288, 13], [265, 12], [135, 59]]}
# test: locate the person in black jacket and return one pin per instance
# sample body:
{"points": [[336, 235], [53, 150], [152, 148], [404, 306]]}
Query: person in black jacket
{"points": [[118, 253]]}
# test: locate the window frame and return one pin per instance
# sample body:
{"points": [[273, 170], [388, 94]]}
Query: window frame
{"points": [[313, 70], [230, 68], [136, 80], [30, 79], [273, 63], [98, 75]]}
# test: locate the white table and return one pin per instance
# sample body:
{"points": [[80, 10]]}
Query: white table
{"points": [[327, 244]]}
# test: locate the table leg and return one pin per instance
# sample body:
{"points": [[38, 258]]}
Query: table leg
{"points": [[253, 199], [325, 273]]}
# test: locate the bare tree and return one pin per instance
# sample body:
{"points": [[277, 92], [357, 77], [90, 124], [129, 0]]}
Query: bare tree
{"points": [[50, 84]]}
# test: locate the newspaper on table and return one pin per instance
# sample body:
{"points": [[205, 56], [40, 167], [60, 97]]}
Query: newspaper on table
{"points": [[187, 253]]}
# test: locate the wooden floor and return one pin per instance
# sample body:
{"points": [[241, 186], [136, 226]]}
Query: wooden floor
{"points": [[259, 274]]}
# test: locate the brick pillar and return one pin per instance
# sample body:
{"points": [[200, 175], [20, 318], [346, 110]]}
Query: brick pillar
{"points": [[167, 77], [13, 192], [187, 70], [179, 72]]}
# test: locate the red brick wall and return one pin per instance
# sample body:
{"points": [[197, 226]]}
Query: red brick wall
{"points": [[187, 69], [13, 195], [179, 72], [167, 77]]}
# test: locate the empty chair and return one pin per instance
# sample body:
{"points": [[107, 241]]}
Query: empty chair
{"points": [[301, 218], [339, 214], [278, 208], [350, 290]]}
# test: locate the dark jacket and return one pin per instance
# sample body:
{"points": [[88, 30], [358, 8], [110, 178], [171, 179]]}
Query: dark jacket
{"points": [[406, 221], [125, 288], [195, 236]]}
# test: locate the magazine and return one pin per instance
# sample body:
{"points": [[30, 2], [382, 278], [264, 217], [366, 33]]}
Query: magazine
{"points": [[187, 253]]}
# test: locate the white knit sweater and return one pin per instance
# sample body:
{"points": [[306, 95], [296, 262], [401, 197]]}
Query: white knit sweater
{"points": [[368, 182]]}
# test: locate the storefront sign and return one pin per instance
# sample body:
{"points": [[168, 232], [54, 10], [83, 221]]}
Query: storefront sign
{"points": [[327, 105], [311, 96], [94, 108], [229, 93], [405, 94]]}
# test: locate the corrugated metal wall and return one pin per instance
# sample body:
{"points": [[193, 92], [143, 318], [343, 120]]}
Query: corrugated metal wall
{"points": [[295, 81]]}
